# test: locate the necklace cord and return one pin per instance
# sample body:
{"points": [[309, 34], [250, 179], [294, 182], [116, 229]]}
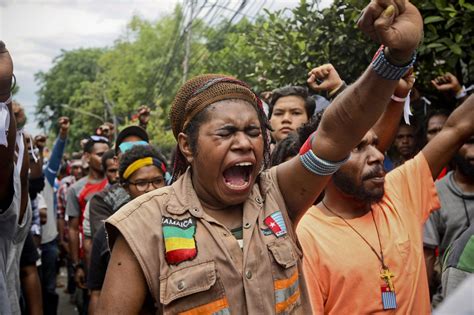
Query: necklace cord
{"points": [[380, 257]]}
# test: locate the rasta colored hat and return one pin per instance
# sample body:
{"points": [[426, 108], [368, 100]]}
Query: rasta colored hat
{"points": [[202, 91]]}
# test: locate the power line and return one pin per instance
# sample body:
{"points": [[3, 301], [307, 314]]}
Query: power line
{"points": [[237, 11], [159, 73], [187, 46], [229, 23], [198, 59], [169, 64]]}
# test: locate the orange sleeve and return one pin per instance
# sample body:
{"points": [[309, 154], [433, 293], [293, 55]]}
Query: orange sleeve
{"points": [[314, 289], [311, 272], [412, 184]]}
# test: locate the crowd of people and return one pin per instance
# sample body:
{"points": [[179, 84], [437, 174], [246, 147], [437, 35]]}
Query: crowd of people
{"points": [[280, 203]]}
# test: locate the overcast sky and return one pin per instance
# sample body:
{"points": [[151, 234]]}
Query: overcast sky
{"points": [[35, 31]]}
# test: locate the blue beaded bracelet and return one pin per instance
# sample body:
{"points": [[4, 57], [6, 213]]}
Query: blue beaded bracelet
{"points": [[320, 166], [385, 69]]}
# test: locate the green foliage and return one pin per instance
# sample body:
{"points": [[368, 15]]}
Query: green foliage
{"points": [[58, 85], [448, 42], [144, 66], [229, 51], [289, 46]]}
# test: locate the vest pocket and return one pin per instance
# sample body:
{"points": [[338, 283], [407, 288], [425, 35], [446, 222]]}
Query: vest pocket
{"points": [[285, 275], [194, 289]]}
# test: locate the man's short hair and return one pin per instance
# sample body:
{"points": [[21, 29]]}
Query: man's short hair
{"points": [[107, 156], [89, 146], [293, 90]]}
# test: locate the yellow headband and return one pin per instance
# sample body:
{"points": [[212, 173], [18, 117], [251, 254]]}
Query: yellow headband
{"points": [[136, 165]]}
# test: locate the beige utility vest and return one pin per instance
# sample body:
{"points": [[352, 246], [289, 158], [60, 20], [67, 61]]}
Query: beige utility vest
{"points": [[194, 265]]}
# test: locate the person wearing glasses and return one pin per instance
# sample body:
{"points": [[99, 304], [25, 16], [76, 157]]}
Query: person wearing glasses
{"points": [[112, 198], [76, 199], [142, 169]]}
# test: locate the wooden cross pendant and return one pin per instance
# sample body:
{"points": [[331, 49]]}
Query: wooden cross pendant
{"points": [[387, 276]]}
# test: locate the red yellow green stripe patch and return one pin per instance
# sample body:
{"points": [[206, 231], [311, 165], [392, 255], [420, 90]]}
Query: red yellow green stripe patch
{"points": [[178, 236]]}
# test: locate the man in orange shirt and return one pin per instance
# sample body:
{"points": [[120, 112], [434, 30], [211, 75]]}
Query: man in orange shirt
{"points": [[362, 244]]}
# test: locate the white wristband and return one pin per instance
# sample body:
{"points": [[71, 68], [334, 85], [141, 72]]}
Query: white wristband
{"points": [[398, 99], [462, 93]]}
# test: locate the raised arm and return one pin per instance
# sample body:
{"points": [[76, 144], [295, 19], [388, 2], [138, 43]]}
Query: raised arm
{"points": [[354, 112], [448, 83], [326, 78], [456, 131], [55, 161], [6, 152], [387, 126]]}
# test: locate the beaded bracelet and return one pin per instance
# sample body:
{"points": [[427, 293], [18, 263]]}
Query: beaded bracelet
{"points": [[319, 166], [387, 70]]}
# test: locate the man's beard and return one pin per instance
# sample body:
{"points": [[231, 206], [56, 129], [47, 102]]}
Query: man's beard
{"points": [[464, 166], [347, 184]]}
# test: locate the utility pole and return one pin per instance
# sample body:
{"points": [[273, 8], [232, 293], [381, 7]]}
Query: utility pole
{"points": [[188, 41], [110, 105]]}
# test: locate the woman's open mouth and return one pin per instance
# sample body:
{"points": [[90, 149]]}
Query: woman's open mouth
{"points": [[237, 177]]}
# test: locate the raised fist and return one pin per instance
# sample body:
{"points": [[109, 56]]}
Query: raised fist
{"points": [[324, 78], [19, 113], [40, 141], [143, 115], [447, 82], [64, 124], [397, 24]]}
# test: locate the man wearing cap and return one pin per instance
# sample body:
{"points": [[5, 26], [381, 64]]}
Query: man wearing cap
{"points": [[108, 201], [130, 136]]}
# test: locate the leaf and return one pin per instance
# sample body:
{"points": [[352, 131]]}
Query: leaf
{"points": [[450, 23], [440, 4], [433, 19], [434, 45], [455, 48], [469, 6]]}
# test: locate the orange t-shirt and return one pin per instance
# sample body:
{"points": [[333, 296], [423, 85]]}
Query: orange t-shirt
{"points": [[342, 272]]}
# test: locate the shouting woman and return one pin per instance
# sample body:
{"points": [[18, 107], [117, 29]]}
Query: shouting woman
{"points": [[221, 238]]}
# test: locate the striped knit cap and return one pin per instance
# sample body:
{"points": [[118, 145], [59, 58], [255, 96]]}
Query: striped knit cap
{"points": [[202, 91]]}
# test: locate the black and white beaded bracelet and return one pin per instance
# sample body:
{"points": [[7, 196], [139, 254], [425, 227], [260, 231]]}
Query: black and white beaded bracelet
{"points": [[385, 69]]}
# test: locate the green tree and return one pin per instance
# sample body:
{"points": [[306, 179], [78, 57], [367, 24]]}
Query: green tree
{"points": [[144, 65], [58, 85], [289, 45], [448, 42], [230, 52]]}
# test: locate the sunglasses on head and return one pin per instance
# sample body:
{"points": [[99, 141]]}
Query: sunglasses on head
{"points": [[96, 138]]}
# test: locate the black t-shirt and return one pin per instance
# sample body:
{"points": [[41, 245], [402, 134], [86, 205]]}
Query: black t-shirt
{"points": [[100, 257], [29, 255]]}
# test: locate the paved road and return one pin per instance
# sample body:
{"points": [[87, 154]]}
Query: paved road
{"points": [[65, 307]]}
